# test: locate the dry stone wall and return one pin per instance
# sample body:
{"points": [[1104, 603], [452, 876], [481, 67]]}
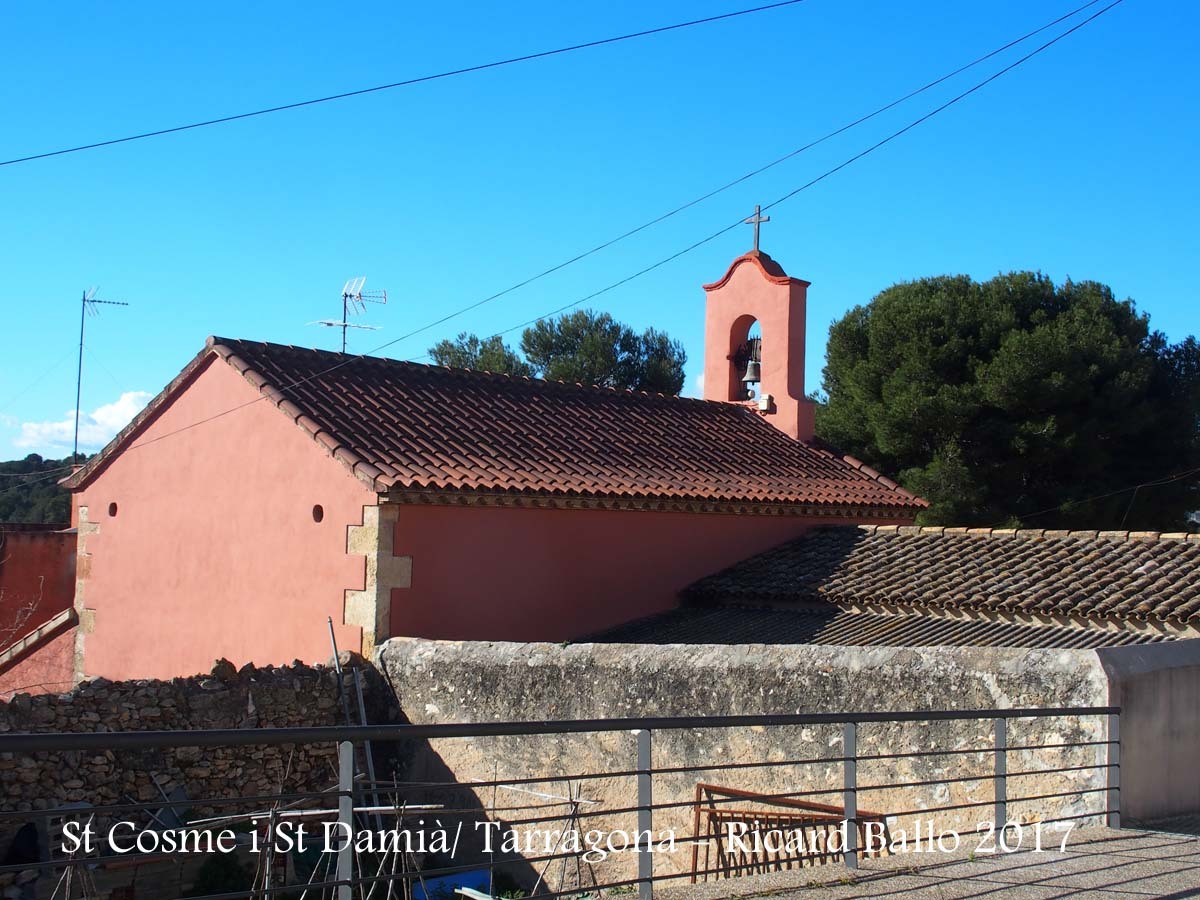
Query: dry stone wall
{"points": [[295, 695]]}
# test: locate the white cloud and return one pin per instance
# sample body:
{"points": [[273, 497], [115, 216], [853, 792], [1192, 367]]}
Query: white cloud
{"points": [[96, 428], [700, 385]]}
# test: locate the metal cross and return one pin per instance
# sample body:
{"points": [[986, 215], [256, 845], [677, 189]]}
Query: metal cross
{"points": [[757, 219]]}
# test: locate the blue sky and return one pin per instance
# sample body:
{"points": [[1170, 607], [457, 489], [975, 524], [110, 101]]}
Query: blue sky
{"points": [[1079, 163]]}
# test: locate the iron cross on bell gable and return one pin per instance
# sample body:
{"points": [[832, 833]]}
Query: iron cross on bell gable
{"points": [[757, 219]]}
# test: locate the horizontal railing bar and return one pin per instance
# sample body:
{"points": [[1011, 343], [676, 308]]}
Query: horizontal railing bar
{"points": [[592, 776], [230, 737], [1099, 814], [990, 802], [1103, 765], [1015, 747], [983, 750], [499, 782], [986, 776], [685, 804], [534, 860], [718, 767], [155, 805], [681, 804]]}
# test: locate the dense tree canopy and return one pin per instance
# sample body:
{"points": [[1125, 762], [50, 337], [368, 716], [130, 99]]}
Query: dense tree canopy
{"points": [[998, 401], [583, 346], [468, 351], [29, 490]]}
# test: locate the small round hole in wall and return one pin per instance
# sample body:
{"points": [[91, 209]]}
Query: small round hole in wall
{"points": [[112, 509], [318, 513]]}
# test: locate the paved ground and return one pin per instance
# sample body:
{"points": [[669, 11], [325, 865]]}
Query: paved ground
{"points": [[1098, 863]]}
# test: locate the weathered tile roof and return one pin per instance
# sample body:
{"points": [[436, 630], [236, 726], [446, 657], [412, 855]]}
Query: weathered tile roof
{"points": [[744, 625], [403, 426], [1112, 575]]}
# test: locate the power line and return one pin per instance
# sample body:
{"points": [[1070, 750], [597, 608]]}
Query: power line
{"points": [[746, 177], [675, 255], [34, 474], [543, 54], [853, 159], [43, 476], [1062, 507], [25, 390]]}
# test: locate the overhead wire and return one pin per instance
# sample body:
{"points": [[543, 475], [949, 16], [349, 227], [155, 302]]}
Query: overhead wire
{"points": [[41, 476], [742, 178], [826, 174], [924, 118], [1066, 504], [36, 381], [408, 82]]}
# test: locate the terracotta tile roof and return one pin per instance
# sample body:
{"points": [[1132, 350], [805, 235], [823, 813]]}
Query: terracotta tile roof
{"points": [[405, 426], [1112, 575], [742, 625]]}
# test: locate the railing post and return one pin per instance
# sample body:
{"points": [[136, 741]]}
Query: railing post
{"points": [[645, 817], [850, 792], [1114, 771], [345, 857], [1000, 778]]}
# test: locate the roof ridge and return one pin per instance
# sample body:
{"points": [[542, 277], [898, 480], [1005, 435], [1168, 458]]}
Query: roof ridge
{"points": [[877, 476], [542, 383], [358, 466], [632, 445], [1043, 533], [482, 374]]}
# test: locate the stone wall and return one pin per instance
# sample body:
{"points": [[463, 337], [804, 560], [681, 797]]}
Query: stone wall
{"points": [[296, 695], [481, 682]]}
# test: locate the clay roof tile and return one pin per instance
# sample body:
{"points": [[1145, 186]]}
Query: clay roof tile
{"points": [[405, 426]]}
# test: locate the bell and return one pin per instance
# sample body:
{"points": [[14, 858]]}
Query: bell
{"points": [[752, 376]]}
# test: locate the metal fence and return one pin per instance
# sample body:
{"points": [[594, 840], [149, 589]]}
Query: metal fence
{"points": [[356, 804]]}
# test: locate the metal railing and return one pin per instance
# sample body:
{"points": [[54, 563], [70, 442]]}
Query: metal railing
{"points": [[344, 874]]}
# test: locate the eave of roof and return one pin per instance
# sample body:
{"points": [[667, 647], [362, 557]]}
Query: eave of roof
{"points": [[890, 500], [1080, 576], [729, 624], [82, 476]]}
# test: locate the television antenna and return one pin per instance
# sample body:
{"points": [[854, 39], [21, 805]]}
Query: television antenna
{"points": [[89, 306], [354, 302]]}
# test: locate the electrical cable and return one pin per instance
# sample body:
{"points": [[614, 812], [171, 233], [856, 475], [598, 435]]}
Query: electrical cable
{"points": [[398, 84], [853, 159], [746, 177], [675, 255]]}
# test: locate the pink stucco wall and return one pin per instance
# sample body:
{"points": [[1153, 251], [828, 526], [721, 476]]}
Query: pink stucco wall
{"points": [[484, 573], [213, 550]]}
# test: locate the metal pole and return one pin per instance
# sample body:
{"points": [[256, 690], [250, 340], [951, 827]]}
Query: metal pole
{"points": [[337, 668], [645, 817], [269, 875], [362, 720], [850, 792], [1114, 771], [1001, 775], [345, 857], [79, 376]]}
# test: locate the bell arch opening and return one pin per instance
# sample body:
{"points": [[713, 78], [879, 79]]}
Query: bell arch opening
{"points": [[745, 358]]}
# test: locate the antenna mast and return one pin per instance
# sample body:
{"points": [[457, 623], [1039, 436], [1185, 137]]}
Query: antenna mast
{"points": [[87, 305], [354, 300]]}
